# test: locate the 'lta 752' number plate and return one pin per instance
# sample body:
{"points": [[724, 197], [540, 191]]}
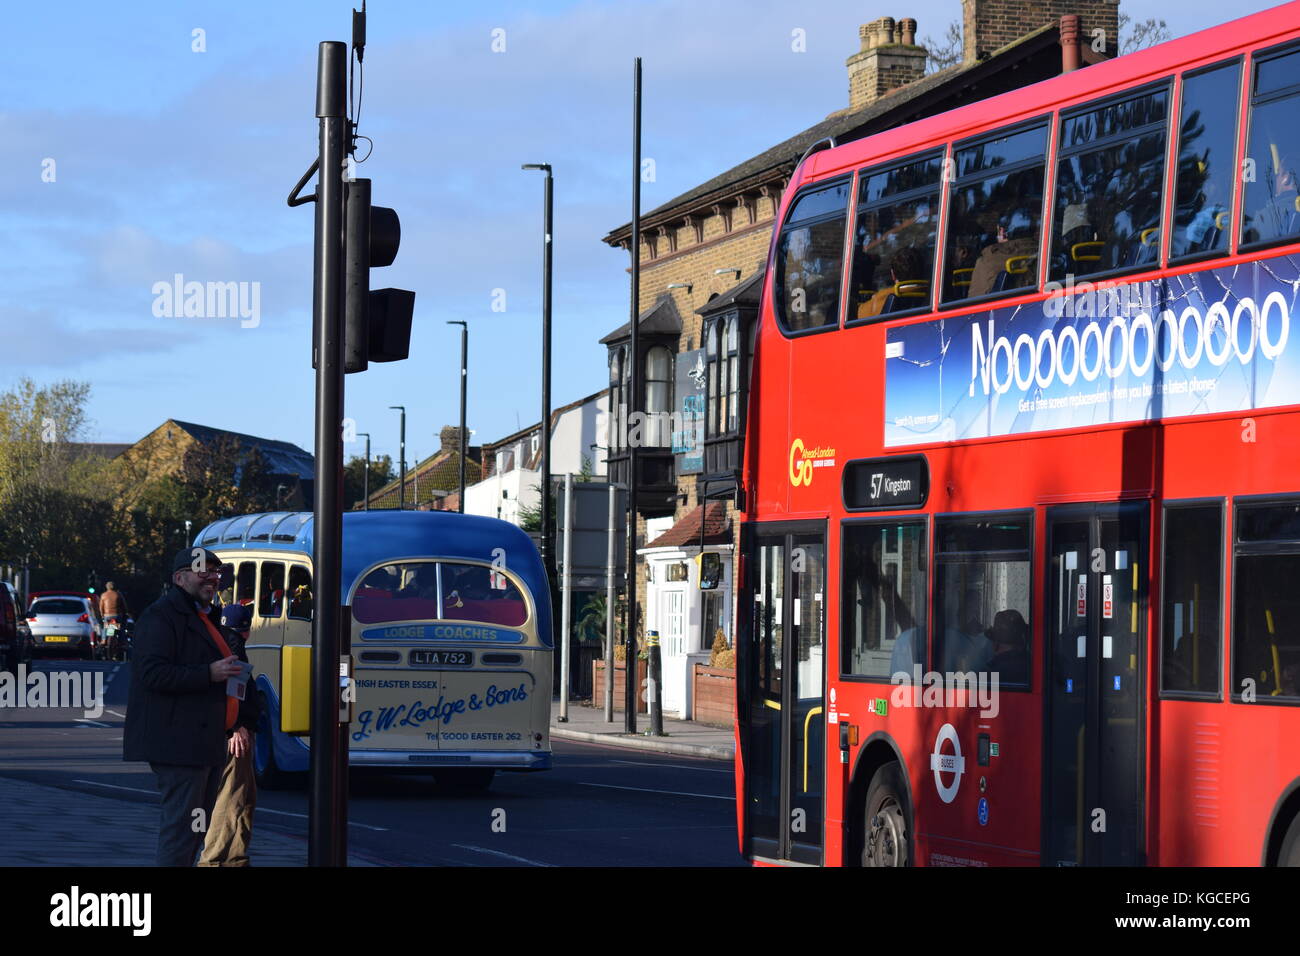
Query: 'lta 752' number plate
{"points": [[425, 657]]}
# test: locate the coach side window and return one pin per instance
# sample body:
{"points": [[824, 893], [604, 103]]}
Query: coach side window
{"points": [[996, 214], [270, 599], [1191, 629], [1266, 604], [1271, 210], [981, 596], [810, 259], [245, 583], [883, 599], [1206, 174], [301, 601], [1110, 186], [893, 241]]}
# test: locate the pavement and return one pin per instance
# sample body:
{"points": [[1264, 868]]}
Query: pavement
{"points": [[685, 737], [51, 826]]}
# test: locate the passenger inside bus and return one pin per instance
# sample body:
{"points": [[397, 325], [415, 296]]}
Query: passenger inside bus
{"points": [[1004, 256], [909, 285], [1009, 637], [1280, 216]]}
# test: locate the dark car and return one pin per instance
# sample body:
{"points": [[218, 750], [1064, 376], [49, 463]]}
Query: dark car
{"points": [[9, 644]]}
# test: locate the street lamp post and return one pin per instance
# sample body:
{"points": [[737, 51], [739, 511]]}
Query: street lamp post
{"points": [[464, 379], [548, 558], [365, 475], [401, 488]]}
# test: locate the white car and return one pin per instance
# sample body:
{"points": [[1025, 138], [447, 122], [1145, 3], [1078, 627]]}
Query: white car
{"points": [[64, 624]]}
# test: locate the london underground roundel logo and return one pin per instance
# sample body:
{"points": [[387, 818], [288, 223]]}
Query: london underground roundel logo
{"points": [[947, 764]]}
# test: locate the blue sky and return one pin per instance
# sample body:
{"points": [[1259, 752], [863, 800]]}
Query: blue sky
{"points": [[168, 160]]}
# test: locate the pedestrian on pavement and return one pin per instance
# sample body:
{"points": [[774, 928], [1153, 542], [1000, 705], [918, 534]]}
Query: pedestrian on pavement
{"points": [[231, 829], [183, 706]]}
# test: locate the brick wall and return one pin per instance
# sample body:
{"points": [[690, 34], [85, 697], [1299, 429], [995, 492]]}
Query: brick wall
{"points": [[988, 25]]}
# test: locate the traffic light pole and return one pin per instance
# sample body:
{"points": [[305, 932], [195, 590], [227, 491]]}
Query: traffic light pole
{"points": [[327, 811], [630, 696]]}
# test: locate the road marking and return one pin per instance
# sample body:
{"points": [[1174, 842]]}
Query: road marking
{"points": [[507, 856], [96, 783], [114, 713], [303, 816], [94, 723], [675, 793], [679, 766]]}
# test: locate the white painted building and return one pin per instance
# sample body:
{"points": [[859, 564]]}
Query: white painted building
{"points": [[512, 465]]}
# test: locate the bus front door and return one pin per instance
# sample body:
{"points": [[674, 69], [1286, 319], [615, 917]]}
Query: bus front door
{"points": [[783, 723], [1097, 593]]}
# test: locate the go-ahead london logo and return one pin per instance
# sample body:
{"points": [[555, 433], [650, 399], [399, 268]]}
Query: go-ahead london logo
{"points": [[943, 763], [803, 460]]}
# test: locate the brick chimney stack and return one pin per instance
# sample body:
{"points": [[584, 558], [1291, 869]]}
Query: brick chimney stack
{"points": [[989, 25], [889, 58], [450, 438]]}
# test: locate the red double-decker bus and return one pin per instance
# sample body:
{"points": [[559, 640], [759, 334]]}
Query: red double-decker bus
{"points": [[1021, 540]]}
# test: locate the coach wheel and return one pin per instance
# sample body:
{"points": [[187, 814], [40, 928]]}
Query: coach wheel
{"points": [[466, 778], [1290, 854], [268, 774], [885, 836]]}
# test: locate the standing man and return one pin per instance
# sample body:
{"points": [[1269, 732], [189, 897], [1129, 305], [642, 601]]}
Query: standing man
{"points": [[232, 816], [183, 706]]}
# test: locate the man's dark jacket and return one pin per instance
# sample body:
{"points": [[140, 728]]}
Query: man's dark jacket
{"points": [[176, 713]]}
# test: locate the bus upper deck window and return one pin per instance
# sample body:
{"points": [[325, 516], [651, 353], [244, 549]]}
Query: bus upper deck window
{"points": [[1271, 210], [1206, 172], [1110, 187], [809, 259], [996, 214], [893, 240]]}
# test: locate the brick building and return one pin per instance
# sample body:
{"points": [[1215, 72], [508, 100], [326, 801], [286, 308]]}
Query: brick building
{"points": [[432, 484], [703, 256]]}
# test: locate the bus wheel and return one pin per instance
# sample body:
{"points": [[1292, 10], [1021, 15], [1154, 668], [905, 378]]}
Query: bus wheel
{"points": [[885, 836], [1290, 854], [265, 770], [466, 778]]}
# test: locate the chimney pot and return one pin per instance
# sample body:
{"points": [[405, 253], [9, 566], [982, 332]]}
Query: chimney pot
{"points": [[1071, 55], [886, 30], [908, 27]]}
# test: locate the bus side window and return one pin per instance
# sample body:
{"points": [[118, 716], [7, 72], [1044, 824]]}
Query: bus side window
{"points": [[981, 597], [883, 599], [270, 601], [893, 243], [810, 259], [246, 582], [1271, 210], [995, 222], [1206, 173], [1265, 608], [300, 596], [1110, 186], [1191, 629]]}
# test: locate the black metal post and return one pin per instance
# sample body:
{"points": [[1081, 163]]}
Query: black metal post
{"points": [[326, 817], [548, 513], [655, 672], [630, 688], [464, 379], [401, 452]]}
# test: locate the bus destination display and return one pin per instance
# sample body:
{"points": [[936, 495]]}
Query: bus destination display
{"points": [[874, 483]]}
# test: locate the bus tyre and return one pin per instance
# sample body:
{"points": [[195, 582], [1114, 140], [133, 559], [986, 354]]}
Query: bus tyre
{"points": [[1290, 852], [265, 770], [466, 778], [885, 837]]}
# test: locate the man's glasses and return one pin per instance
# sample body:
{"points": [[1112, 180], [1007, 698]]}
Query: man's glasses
{"points": [[207, 573]]}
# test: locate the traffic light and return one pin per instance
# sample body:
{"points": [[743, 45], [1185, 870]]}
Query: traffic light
{"points": [[92, 582], [376, 324]]}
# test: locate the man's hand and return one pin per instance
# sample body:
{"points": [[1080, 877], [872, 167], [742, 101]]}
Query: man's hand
{"points": [[239, 742], [223, 669]]}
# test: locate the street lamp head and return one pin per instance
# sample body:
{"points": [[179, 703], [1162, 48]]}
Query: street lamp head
{"points": [[459, 322], [545, 167], [398, 407]]}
